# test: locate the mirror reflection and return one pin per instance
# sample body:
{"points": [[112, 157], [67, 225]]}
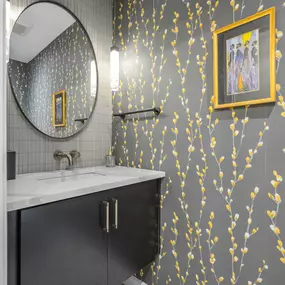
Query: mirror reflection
{"points": [[52, 70]]}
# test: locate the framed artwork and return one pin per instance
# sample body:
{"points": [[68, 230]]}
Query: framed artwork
{"points": [[59, 109], [244, 62]]}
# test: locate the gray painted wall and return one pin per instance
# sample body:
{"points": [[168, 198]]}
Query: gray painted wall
{"points": [[34, 150], [153, 67]]}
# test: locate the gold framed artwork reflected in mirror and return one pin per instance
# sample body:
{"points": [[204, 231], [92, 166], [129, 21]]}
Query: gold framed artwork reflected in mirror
{"points": [[59, 109], [244, 62]]}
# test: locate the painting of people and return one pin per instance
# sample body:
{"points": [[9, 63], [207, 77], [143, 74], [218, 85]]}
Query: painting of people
{"points": [[243, 63]]}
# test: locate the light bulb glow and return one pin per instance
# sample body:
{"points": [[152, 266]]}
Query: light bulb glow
{"points": [[93, 79], [115, 68]]}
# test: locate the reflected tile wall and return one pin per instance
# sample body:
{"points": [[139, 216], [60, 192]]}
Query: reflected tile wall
{"points": [[34, 150]]}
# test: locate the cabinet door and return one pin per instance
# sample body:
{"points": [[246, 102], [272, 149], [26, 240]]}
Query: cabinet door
{"points": [[63, 243], [133, 245]]}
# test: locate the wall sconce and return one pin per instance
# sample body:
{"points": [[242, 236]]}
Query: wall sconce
{"points": [[115, 68], [93, 79]]}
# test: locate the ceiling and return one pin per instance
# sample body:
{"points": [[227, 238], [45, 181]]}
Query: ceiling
{"points": [[43, 22]]}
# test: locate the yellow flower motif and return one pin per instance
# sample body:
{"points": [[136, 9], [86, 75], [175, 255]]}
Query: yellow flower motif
{"points": [[240, 177], [213, 26], [254, 231], [187, 236], [244, 250], [275, 229], [260, 8], [221, 279], [210, 225], [212, 259], [278, 54], [277, 198], [274, 183]]}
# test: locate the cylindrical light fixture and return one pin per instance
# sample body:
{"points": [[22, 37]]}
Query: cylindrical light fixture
{"points": [[115, 68]]}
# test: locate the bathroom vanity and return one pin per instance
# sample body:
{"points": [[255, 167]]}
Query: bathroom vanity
{"points": [[88, 226], [91, 226]]}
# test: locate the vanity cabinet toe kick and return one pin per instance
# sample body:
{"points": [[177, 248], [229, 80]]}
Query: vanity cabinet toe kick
{"points": [[96, 239]]}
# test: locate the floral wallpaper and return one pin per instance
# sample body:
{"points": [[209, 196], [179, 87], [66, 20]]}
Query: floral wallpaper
{"points": [[221, 202], [66, 63]]}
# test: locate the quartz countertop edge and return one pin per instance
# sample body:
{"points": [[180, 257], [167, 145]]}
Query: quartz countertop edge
{"points": [[35, 189]]}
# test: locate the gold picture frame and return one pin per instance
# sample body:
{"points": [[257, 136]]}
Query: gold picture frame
{"points": [[219, 36], [59, 109]]}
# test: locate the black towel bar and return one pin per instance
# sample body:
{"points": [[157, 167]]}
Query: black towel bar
{"points": [[156, 111]]}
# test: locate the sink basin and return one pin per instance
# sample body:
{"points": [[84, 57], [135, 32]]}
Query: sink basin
{"points": [[66, 175]]}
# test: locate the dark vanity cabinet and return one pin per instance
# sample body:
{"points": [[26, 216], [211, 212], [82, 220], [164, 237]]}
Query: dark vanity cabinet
{"points": [[97, 239], [62, 243], [134, 243]]}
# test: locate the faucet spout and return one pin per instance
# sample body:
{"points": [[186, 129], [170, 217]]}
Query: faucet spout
{"points": [[70, 160], [59, 155]]}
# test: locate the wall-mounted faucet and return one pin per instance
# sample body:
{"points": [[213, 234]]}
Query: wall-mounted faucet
{"points": [[71, 157], [75, 154]]}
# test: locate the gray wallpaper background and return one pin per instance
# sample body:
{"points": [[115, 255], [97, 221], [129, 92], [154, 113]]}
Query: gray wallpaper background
{"points": [[34, 150], [219, 164], [65, 64]]}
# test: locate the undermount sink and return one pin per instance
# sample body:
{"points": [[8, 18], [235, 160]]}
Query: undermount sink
{"points": [[67, 174]]}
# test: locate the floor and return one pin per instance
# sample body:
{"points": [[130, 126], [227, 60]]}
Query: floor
{"points": [[134, 281]]}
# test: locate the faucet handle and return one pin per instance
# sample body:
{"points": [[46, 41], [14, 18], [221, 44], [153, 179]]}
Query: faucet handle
{"points": [[75, 154], [58, 155]]}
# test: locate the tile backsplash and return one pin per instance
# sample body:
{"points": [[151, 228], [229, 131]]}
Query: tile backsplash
{"points": [[35, 150]]}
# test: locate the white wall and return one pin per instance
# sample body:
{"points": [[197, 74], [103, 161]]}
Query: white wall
{"points": [[3, 227]]}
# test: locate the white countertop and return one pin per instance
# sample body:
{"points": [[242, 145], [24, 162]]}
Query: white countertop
{"points": [[29, 190]]}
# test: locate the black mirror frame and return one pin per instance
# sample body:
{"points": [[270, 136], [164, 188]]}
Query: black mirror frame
{"points": [[97, 73]]}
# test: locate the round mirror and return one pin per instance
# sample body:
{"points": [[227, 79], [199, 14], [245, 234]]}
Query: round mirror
{"points": [[53, 70]]}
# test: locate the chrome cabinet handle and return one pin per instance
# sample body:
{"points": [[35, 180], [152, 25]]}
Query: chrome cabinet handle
{"points": [[106, 227], [115, 203]]}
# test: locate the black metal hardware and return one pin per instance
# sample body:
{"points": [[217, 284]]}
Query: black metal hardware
{"points": [[156, 111], [105, 216], [81, 120]]}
